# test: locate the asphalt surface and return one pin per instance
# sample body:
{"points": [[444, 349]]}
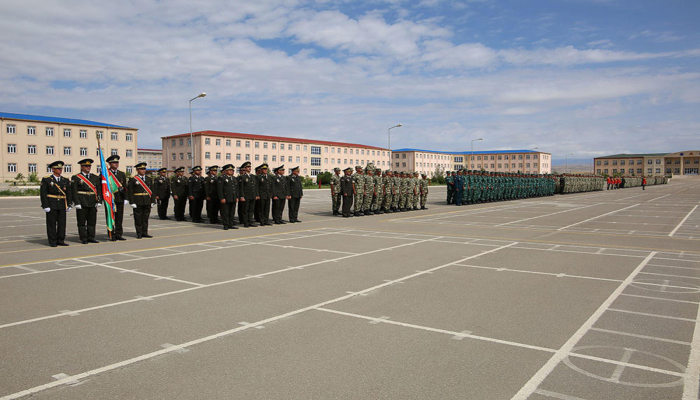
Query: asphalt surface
{"points": [[585, 296]]}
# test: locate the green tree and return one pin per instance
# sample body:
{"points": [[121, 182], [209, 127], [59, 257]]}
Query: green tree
{"points": [[19, 177], [324, 178], [33, 177]]}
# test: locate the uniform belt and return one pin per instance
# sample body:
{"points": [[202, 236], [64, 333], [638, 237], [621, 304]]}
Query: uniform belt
{"points": [[141, 194], [55, 196], [81, 192]]}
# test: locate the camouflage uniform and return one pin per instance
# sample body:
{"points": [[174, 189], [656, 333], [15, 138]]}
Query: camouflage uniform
{"points": [[359, 180], [396, 191], [424, 183], [369, 190], [403, 192], [379, 188], [388, 191], [336, 195], [416, 190]]}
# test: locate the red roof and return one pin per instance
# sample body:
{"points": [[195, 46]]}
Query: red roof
{"points": [[270, 138], [149, 150]]}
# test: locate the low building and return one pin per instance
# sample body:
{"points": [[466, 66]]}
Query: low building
{"points": [[311, 156], [678, 163], [152, 157], [31, 142], [427, 161]]}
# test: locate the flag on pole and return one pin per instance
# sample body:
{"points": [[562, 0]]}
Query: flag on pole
{"points": [[109, 186]]}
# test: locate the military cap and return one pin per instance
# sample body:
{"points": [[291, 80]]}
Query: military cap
{"points": [[293, 169], [338, 169], [162, 170], [424, 175], [196, 168], [245, 164], [227, 167], [279, 168], [56, 164], [358, 167], [86, 161], [114, 158], [346, 169], [262, 166], [213, 168], [141, 165], [181, 169]]}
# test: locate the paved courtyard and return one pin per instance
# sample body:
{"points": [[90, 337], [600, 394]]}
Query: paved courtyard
{"points": [[584, 296]]}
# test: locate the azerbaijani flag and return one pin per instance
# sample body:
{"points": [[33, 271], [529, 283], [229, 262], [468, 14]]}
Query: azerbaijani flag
{"points": [[109, 186]]}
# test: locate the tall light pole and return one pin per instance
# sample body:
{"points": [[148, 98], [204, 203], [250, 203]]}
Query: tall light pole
{"points": [[472, 156], [567, 161], [191, 139], [388, 131]]}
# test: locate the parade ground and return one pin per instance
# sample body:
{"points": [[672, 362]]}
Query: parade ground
{"points": [[580, 296]]}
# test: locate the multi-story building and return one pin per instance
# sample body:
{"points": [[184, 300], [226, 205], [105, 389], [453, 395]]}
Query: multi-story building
{"points": [[152, 157], [311, 156], [31, 142], [678, 163], [427, 161]]}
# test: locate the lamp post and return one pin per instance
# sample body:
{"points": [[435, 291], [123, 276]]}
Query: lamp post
{"points": [[567, 161], [388, 131], [472, 156], [191, 139]]}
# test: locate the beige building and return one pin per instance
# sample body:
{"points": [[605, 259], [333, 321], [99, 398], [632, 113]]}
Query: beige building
{"points": [[31, 142], [311, 156], [427, 161], [152, 157], [679, 163]]}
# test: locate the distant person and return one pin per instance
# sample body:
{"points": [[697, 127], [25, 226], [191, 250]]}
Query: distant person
{"points": [[644, 183], [347, 190], [161, 187]]}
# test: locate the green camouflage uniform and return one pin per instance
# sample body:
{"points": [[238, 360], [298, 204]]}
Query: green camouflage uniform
{"points": [[359, 180], [336, 195]]}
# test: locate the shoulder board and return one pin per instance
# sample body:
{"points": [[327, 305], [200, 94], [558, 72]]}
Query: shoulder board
{"points": [[47, 176]]}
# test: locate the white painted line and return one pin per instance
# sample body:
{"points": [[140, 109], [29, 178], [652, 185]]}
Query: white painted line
{"points": [[658, 339], [547, 215], [144, 298], [248, 323], [567, 348], [650, 315], [599, 216], [22, 267], [378, 320], [660, 298], [681, 223], [69, 312], [176, 349], [620, 368], [462, 335], [675, 276], [70, 382], [556, 395], [561, 275], [41, 272], [692, 373]]}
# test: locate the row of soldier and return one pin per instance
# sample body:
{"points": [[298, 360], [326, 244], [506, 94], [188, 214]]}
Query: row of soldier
{"points": [[373, 191], [475, 186]]}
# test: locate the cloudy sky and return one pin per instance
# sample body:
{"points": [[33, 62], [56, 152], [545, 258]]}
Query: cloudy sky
{"points": [[589, 77]]}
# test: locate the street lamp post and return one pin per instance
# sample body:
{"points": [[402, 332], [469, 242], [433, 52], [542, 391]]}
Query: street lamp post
{"points": [[472, 156], [191, 139], [388, 131], [567, 162]]}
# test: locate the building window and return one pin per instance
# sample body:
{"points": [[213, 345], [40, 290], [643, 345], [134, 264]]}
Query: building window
{"points": [[115, 136], [534, 164], [316, 161], [11, 167], [207, 141], [68, 168], [622, 162], [32, 168], [189, 142], [218, 142], [404, 164], [49, 131], [129, 137], [316, 150], [12, 148], [658, 170], [257, 157], [129, 153], [257, 145], [238, 156], [459, 159], [247, 157], [274, 158], [129, 169], [658, 161], [264, 145], [289, 147], [207, 155], [218, 156], [83, 151], [289, 159], [99, 134], [228, 156], [49, 150], [11, 129], [174, 156], [298, 161], [305, 160], [274, 146], [238, 143], [31, 149], [31, 130], [228, 142], [115, 152], [247, 143], [315, 172]]}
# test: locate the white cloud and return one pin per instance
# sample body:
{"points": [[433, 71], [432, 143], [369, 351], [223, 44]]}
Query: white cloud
{"points": [[659, 37], [601, 110]]}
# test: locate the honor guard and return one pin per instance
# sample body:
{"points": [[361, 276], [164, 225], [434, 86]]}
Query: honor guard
{"points": [[227, 190], [296, 192], [346, 189], [179, 187], [120, 198], [86, 199], [56, 196], [280, 193], [262, 205], [248, 194], [336, 195], [196, 194], [161, 187], [142, 199], [211, 194]]}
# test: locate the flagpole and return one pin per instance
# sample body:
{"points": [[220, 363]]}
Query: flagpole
{"points": [[104, 177]]}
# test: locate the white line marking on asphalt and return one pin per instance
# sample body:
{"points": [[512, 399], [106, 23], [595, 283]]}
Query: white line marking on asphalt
{"points": [[248, 323], [599, 216], [547, 215], [675, 276], [462, 335], [73, 382], [175, 349], [144, 298], [69, 312], [691, 382], [567, 348], [681, 223], [660, 298], [26, 268], [620, 368], [640, 336], [556, 395], [378, 320], [650, 315]]}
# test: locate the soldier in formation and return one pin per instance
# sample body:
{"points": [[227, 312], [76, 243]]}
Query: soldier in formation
{"points": [[347, 191], [56, 198], [336, 193], [280, 194], [196, 194], [227, 192], [141, 199], [120, 199], [161, 187], [262, 205], [179, 187], [87, 196], [296, 192], [211, 194]]}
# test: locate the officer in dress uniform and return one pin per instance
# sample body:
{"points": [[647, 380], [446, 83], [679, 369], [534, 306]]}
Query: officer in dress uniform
{"points": [[347, 191], [86, 198], [161, 187], [280, 193], [120, 198], [55, 199], [227, 190], [179, 187], [142, 199], [296, 193], [248, 194], [212, 195], [196, 194], [262, 205]]}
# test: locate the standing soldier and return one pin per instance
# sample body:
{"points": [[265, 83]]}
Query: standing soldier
{"points": [[248, 192], [262, 205], [161, 187], [336, 194], [403, 196], [196, 194], [369, 190], [296, 192], [119, 197], [280, 193], [179, 188], [141, 198], [388, 191], [55, 198], [359, 181], [212, 194], [424, 192], [86, 198], [379, 192], [227, 191], [450, 181], [459, 187], [416, 190], [347, 191]]}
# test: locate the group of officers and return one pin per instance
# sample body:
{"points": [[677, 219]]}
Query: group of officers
{"points": [[476, 186], [252, 194], [373, 191]]}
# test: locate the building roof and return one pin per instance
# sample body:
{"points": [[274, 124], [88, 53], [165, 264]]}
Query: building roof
{"points": [[634, 155], [469, 152], [270, 138], [39, 118], [154, 150]]}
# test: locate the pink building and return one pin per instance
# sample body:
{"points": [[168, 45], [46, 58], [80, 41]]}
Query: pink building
{"points": [[311, 156]]}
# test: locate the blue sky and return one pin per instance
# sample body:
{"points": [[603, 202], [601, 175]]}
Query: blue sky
{"points": [[589, 77]]}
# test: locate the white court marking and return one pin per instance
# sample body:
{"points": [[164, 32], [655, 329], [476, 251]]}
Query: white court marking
{"points": [[673, 232], [599, 216]]}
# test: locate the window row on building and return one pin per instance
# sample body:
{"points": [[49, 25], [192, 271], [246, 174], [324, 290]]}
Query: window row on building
{"points": [[67, 150], [49, 131]]}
